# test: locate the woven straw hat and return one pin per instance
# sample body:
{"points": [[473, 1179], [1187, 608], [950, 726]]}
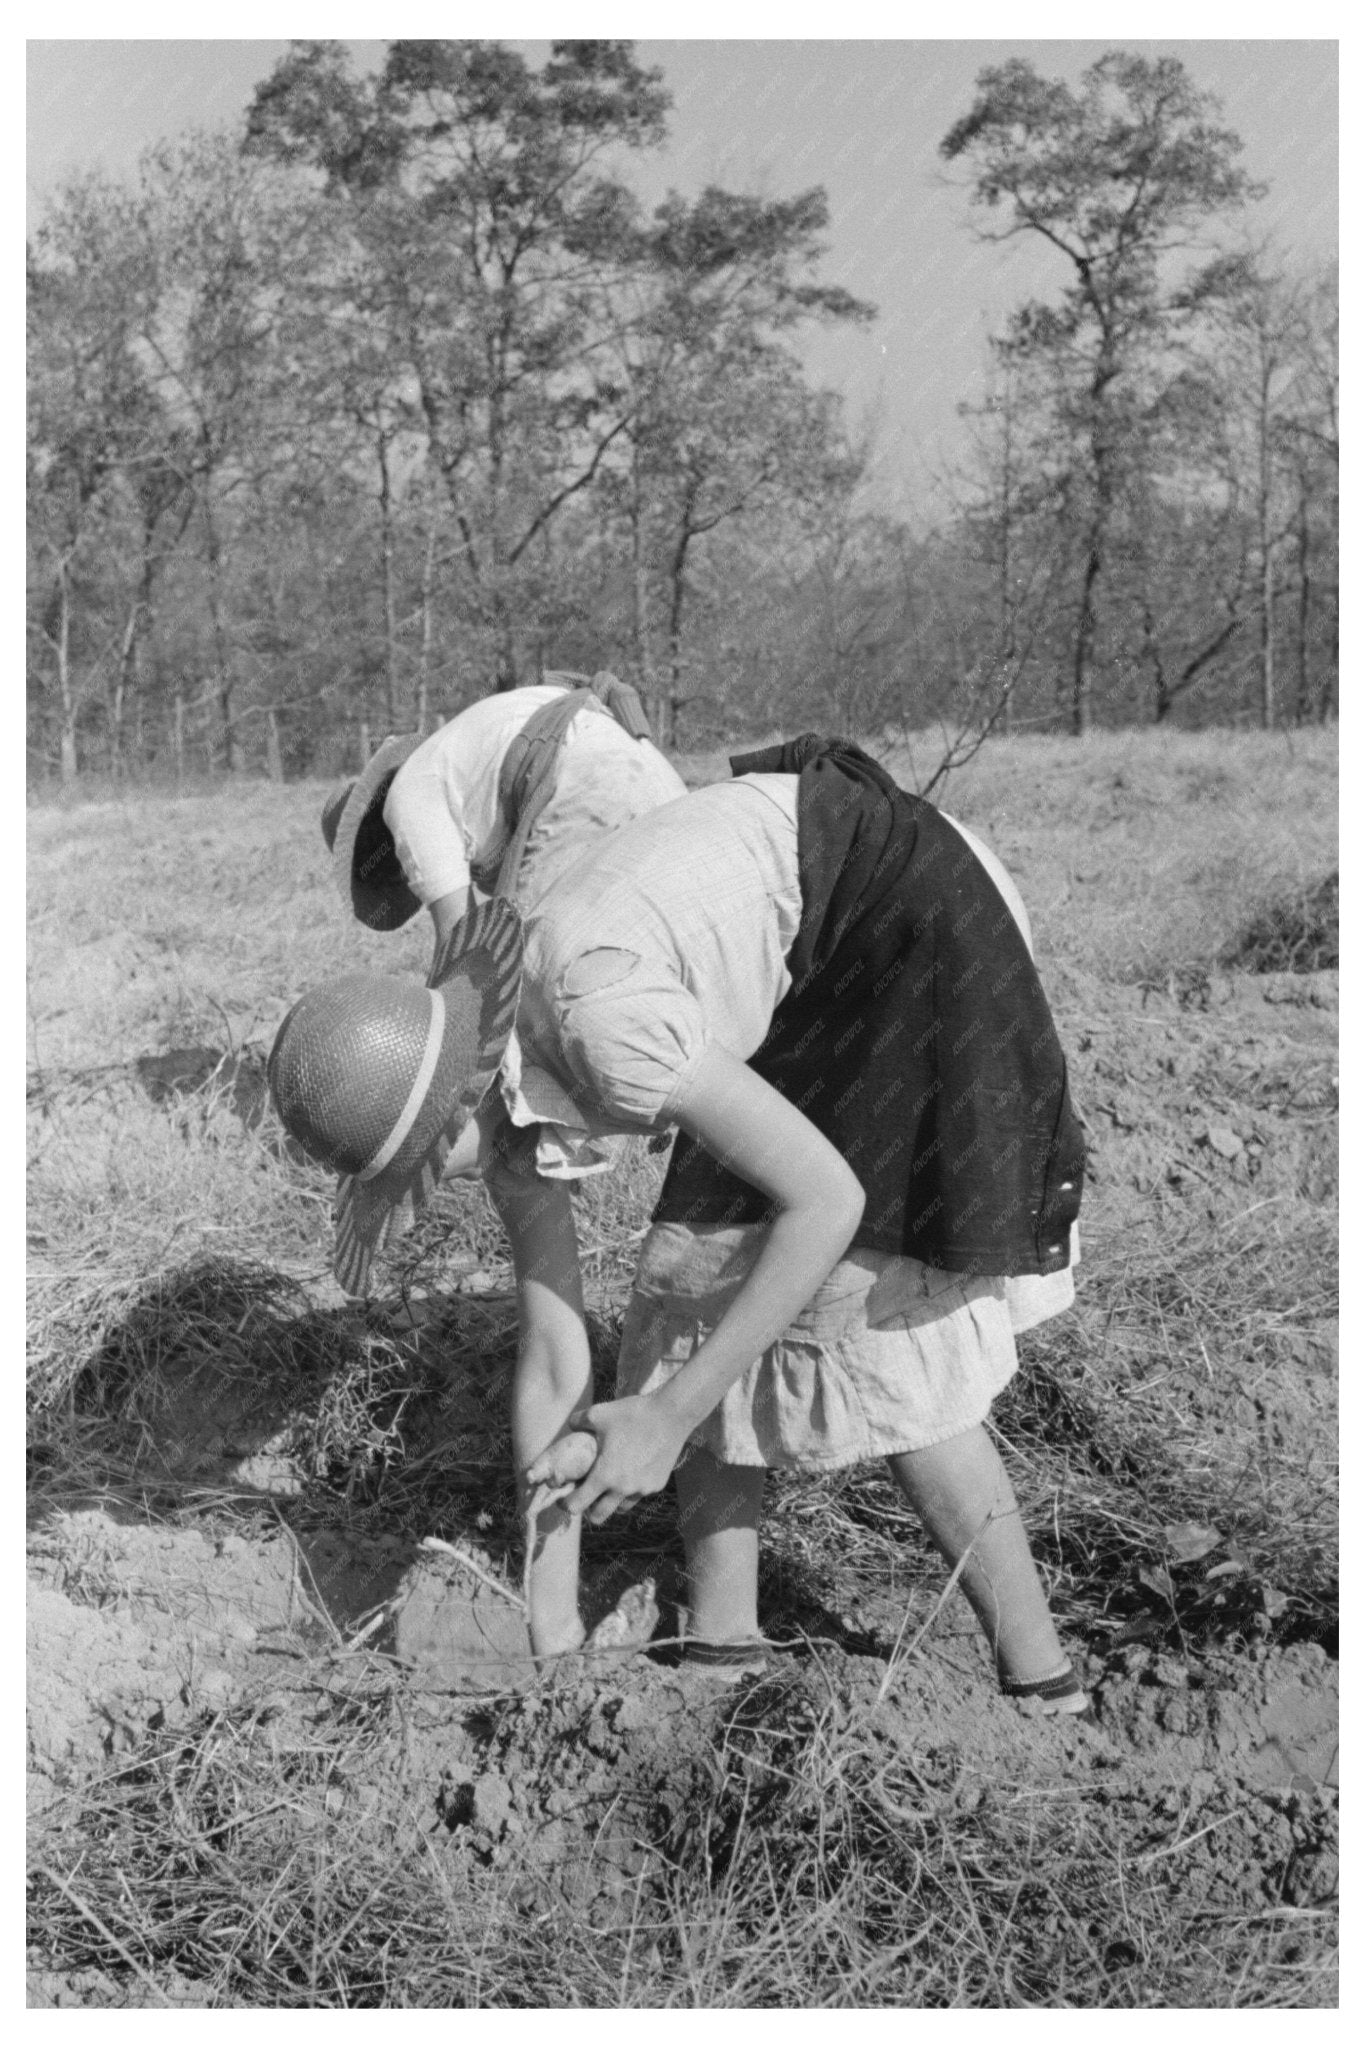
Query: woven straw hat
{"points": [[376, 1077], [365, 863]]}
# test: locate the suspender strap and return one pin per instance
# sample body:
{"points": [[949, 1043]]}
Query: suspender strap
{"points": [[527, 780], [623, 700]]}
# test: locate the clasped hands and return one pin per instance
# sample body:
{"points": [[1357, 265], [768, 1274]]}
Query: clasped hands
{"points": [[639, 1442]]}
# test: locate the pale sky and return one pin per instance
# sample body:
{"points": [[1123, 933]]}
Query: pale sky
{"points": [[863, 118]]}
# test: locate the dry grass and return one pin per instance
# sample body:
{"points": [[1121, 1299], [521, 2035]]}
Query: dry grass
{"points": [[181, 1312], [1139, 853], [812, 1865], [1294, 933]]}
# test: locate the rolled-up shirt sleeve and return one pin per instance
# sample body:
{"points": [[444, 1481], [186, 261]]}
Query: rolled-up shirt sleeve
{"points": [[631, 1045], [423, 815]]}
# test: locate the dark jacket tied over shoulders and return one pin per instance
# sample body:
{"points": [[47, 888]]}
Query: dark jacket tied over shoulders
{"points": [[915, 1035]]}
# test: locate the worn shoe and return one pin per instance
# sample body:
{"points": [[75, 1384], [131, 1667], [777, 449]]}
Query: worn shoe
{"points": [[1051, 1698], [728, 1662]]}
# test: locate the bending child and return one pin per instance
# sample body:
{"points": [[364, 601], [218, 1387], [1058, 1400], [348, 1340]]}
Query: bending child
{"points": [[510, 791], [828, 989]]}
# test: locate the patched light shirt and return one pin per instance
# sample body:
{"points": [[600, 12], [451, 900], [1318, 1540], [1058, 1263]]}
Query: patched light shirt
{"points": [[670, 937]]}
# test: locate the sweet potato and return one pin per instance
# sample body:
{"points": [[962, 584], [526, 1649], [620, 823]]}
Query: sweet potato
{"points": [[571, 1458]]}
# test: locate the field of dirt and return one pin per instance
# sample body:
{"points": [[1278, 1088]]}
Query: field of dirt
{"points": [[286, 1742]]}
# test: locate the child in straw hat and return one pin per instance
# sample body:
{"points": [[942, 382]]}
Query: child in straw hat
{"points": [[827, 989], [522, 780]]}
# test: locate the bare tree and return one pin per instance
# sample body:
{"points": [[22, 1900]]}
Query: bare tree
{"points": [[1117, 177]]}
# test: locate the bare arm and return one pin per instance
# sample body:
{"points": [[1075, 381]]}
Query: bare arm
{"points": [[759, 1135], [553, 1374], [447, 911]]}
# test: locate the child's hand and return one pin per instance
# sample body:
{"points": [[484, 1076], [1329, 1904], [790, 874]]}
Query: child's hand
{"points": [[567, 1459], [639, 1443]]}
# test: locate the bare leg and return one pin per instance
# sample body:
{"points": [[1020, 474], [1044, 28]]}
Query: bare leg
{"points": [[962, 1494], [718, 1512]]}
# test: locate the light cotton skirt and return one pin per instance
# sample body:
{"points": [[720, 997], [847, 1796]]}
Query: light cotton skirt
{"points": [[890, 1355]]}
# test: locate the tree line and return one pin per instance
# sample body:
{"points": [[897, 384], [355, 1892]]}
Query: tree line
{"points": [[398, 396]]}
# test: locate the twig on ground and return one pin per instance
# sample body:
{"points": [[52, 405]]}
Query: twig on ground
{"points": [[462, 1557]]}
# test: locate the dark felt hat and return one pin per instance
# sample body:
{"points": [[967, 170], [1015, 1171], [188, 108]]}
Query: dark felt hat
{"points": [[365, 862], [376, 1077]]}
